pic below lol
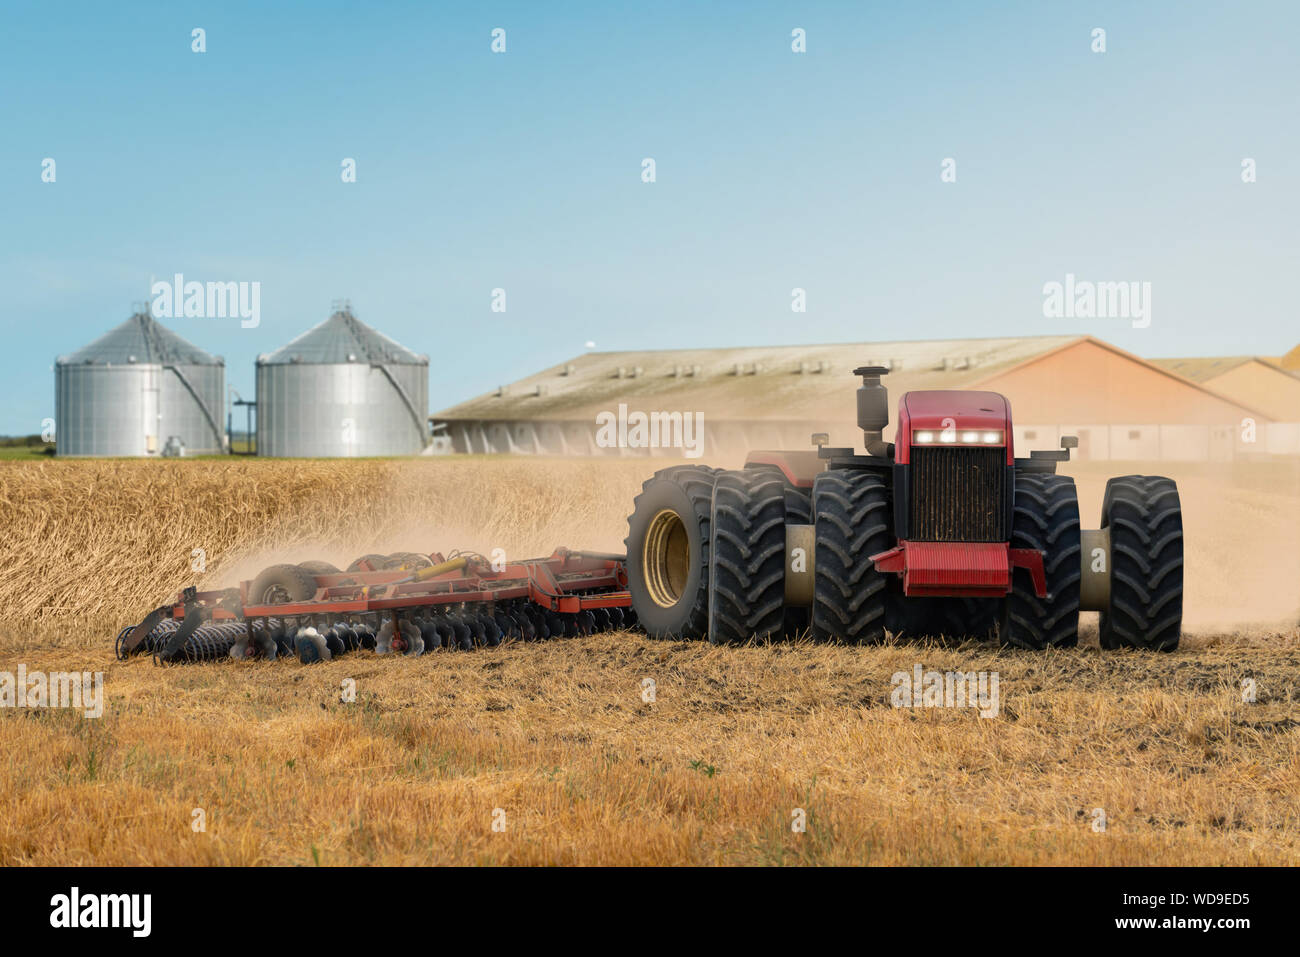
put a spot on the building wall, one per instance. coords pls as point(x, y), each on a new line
point(1260, 386)
point(339, 411)
point(1086, 382)
point(181, 412)
point(1138, 441)
point(107, 410)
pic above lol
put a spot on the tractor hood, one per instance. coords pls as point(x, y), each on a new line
point(952, 417)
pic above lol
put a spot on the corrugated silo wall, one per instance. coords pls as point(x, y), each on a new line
point(181, 414)
point(107, 410)
point(340, 411)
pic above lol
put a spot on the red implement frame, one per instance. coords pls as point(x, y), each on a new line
point(557, 583)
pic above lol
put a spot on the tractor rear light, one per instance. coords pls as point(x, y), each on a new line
point(953, 437)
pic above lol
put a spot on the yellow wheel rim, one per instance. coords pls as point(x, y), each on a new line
point(666, 558)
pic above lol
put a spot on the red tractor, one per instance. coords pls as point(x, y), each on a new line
point(942, 532)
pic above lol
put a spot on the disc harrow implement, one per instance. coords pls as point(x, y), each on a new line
point(407, 604)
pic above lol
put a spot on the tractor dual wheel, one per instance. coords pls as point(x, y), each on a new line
point(1144, 517)
point(798, 511)
point(747, 556)
point(1047, 519)
point(852, 512)
point(668, 552)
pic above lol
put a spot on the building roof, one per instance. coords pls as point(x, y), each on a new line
point(340, 339)
point(789, 382)
point(140, 339)
point(1291, 361)
point(1207, 368)
point(1266, 388)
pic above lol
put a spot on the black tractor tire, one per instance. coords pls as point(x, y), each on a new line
point(798, 511)
point(798, 505)
point(747, 556)
point(280, 584)
point(1145, 518)
point(318, 568)
point(852, 512)
point(668, 552)
point(1046, 518)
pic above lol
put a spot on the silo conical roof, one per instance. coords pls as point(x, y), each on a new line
point(340, 339)
point(141, 339)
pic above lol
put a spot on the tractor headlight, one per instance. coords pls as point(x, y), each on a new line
point(953, 437)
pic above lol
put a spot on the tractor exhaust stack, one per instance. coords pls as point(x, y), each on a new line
point(873, 409)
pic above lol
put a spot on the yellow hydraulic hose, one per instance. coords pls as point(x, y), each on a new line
point(433, 571)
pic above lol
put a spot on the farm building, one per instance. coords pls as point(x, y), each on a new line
point(1259, 383)
point(342, 389)
point(1119, 405)
point(1291, 361)
point(139, 390)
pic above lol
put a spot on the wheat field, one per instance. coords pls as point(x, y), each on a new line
point(547, 753)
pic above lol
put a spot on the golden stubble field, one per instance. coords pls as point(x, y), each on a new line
point(554, 742)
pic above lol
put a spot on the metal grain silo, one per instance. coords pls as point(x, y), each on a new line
point(133, 388)
point(342, 389)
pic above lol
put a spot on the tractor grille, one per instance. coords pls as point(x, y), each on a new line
point(957, 494)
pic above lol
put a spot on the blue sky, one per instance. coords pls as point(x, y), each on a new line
point(775, 170)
